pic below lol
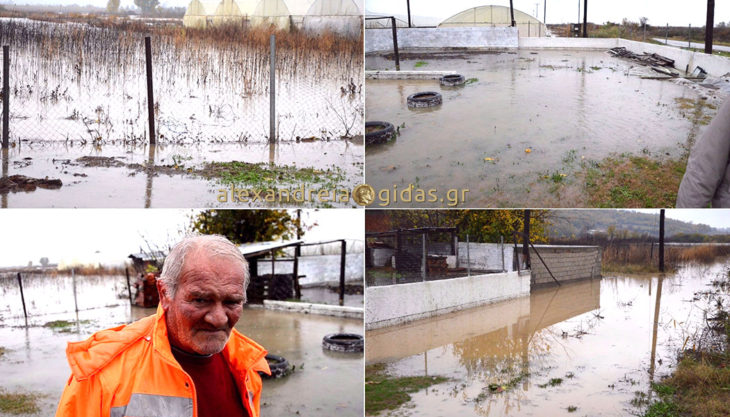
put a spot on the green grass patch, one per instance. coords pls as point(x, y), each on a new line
point(263, 175)
point(471, 80)
point(383, 392)
point(420, 64)
point(18, 403)
point(629, 181)
point(553, 382)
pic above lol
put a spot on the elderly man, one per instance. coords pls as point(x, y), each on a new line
point(186, 360)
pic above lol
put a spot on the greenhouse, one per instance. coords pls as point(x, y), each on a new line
point(497, 16)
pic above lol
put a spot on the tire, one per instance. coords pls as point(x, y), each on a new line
point(378, 132)
point(278, 365)
point(343, 342)
point(424, 99)
point(452, 80)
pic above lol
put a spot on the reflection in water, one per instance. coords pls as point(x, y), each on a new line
point(4, 174)
point(590, 344)
point(150, 170)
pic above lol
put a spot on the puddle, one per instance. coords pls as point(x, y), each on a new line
point(78, 90)
point(527, 125)
point(34, 359)
point(589, 345)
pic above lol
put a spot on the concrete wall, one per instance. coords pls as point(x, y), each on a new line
point(567, 263)
point(457, 37)
point(569, 43)
point(398, 304)
point(714, 65)
point(486, 256)
point(319, 269)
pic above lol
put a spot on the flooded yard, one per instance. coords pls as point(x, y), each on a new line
point(527, 122)
point(79, 92)
point(590, 348)
point(33, 360)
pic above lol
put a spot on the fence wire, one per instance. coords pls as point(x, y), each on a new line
point(74, 83)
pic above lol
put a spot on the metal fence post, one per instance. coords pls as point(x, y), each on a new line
point(423, 257)
point(468, 259)
point(22, 296)
point(272, 90)
point(666, 35)
point(73, 283)
point(343, 259)
point(6, 96)
point(129, 286)
point(689, 36)
point(501, 244)
point(395, 43)
point(150, 95)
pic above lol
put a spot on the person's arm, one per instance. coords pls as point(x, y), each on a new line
point(708, 163)
point(83, 398)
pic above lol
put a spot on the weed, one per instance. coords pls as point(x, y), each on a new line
point(385, 393)
point(420, 64)
point(572, 408)
point(19, 403)
point(471, 80)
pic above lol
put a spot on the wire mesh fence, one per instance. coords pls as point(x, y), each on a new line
point(419, 255)
point(74, 82)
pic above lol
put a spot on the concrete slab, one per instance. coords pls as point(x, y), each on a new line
point(310, 308)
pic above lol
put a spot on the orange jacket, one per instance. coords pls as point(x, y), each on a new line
point(130, 370)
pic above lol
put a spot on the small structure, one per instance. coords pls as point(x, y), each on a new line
point(497, 16)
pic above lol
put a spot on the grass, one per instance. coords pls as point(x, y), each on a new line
point(420, 64)
point(63, 325)
point(262, 175)
point(18, 403)
point(2, 351)
point(383, 392)
point(630, 181)
point(553, 382)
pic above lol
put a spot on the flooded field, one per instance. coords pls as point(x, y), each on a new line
point(527, 122)
point(590, 347)
point(34, 356)
point(79, 91)
point(117, 175)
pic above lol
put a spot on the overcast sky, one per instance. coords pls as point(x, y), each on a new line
point(108, 236)
point(659, 12)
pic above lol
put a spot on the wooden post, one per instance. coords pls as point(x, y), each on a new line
point(343, 258)
point(6, 96)
point(395, 43)
point(150, 95)
point(129, 286)
point(585, 18)
point(709, 26)
point(512, 14)
point(272, 90)
point(661, 240)
point(22, 296)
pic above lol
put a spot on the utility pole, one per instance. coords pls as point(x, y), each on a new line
point(544, 12)
point(585, 18)
point(512, 13)
point(709, 26)
point(408, 4)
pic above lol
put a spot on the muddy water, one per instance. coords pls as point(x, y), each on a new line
point(531, 114)
point(121, 186)
point(606, 339)
point(34, 361)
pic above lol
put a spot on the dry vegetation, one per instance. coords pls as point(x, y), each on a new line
point(644, 257)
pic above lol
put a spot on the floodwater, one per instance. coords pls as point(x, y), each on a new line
point(122, 185)
point(34, 361)
point(605, 339)
point(80, 91)
point(527, 125)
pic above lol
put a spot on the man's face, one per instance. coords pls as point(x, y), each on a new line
point(207, 303)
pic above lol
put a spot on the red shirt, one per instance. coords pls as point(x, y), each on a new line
point(217, 392)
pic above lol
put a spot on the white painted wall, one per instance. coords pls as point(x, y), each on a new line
point(397, 304)
point(486, 256)
point(714, 65)
point(569, 43)
point(320, 269)
point(455, 37)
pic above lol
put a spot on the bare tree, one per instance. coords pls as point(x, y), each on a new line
point(112, 6)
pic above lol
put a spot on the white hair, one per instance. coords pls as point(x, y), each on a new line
point(215, 245)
